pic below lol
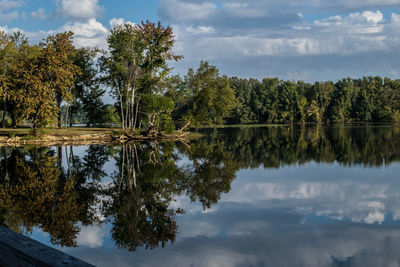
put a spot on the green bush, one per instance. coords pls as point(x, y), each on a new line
point(169, 127)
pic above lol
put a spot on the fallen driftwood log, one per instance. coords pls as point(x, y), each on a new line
point(87, 139)
point(126, 137)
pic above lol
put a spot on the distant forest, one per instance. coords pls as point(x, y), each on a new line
point(370, 99)
point(53, 83)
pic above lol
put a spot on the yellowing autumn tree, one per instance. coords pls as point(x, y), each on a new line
point(41, 81)
point(59, 69)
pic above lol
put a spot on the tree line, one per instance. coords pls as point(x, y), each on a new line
point(53, 82)
point(370, 99)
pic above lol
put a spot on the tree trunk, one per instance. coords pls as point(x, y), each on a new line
point(127, 112)
point(59, 101)
point(3, 121)
point(121, 105)
point(66, 117)
point(128, 115)
point(136, 115)
point(122, 112)
point(71, 115)
point(133, 119)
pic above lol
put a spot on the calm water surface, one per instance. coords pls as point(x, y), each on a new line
point(273, 196)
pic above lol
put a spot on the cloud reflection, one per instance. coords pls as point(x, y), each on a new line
point(295, 216)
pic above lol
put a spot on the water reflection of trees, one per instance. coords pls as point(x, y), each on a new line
point(34, 191)
point(143, 187)
point(278, 146)
point(55, 188)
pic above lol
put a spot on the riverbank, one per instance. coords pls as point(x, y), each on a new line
point(82, 136)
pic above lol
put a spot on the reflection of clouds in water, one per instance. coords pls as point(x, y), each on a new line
point(247, 228)
point(360, 197)
point(286, 217)
point(91, 236)
point(277, 239)
point(197, 228)
point(375, 216)
point(215, 258)
point(188, 206)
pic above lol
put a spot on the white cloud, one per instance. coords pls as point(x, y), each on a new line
point(244, 31)
point(243, 10)
point(39, 14)
point(328, 22)
point(200, 30)
point(119, 21)
point(395, 22)
point(89, 33)
point(86, 33)
point(353, 34)
point(177, 10)
point(80, 9)
point(114, 21)
point(364, 23)
point(6, 5)
point(358, 4)
point(9, 16)
point(6, 29)
point(373, 17)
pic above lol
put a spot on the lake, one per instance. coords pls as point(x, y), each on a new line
point(263, 196)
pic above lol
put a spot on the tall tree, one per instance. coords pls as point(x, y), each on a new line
point(12, 48)
point(33, 95)
point(60, 69)
point(6, 53)
point(137, 61)
point(42, 79)
point(213, 98)
point(86, 83)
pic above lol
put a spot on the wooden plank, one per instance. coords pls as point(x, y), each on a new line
point(19, 250)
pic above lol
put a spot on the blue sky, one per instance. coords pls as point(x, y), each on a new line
point(290, 39)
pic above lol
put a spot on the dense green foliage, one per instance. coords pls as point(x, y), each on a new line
point(136, 65)
point(370, 99)
point(203, 97)
point(38, 79)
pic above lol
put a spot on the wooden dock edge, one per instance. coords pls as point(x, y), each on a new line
point(19, 250)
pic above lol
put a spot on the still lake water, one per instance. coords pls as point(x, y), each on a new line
point(273, 196)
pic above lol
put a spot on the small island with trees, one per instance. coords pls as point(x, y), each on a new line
point(47, 88)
